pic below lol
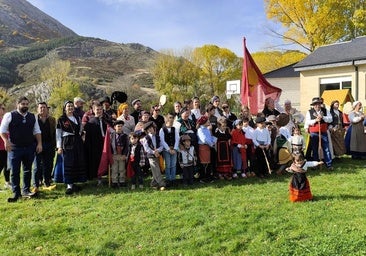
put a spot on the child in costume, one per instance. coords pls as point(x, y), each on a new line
point(299, 184)
point(262, 143)
point(153, 148)
point(187, 159)
point(135, 161)
point(297, 140)
point(238, 142)
point(223, 153)
point(169, 136)
point(205, 142)
point(119, 144)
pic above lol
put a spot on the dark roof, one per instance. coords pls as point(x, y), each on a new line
point(336, 53)
point(287, 71)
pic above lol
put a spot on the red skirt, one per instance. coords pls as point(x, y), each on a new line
point(300, 188)
point(204, 154)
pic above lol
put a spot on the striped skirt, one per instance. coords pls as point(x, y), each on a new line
point(300, 188)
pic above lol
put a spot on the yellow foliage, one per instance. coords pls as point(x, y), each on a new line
point(313, 23)
point(271, 60)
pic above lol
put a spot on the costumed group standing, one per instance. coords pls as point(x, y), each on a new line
point(190, 144)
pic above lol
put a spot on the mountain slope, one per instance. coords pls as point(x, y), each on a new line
point(22, 23)
point(30, 41)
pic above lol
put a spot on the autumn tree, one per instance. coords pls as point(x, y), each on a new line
point(202, 71)
point(56, 73)
point(175, 76)
point(60, 85)
point(217, 65)
point(6, 98)
point(271, 60)
point(60, 94)
point(312, 23)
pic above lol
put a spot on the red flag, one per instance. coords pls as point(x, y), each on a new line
point(107, 157)
point(255, 88)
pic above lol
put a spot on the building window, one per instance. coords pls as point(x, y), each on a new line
point(335, 83)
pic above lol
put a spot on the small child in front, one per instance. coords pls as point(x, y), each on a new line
point(153, 148)
point(299, 184)
point(136, 160)
point(187, 159)
point(297, 140)
point(262, 143)
point(119, 144)
point(205, 142)
point(239, 147)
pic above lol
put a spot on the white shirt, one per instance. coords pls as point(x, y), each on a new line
point(309, 122)
point(261, 137)
point(162, 138)
point(4, 127)
point(249, 132)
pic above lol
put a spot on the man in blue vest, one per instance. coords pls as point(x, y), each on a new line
point(23, 142)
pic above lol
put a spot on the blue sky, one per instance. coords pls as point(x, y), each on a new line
point(167, 24)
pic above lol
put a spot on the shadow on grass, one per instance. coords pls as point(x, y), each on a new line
point(341, 166)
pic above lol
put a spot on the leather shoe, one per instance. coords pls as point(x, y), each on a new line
point(28, 194)
point(13, 199)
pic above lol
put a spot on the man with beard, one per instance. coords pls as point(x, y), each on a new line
point(137, 108)
point(24, 140)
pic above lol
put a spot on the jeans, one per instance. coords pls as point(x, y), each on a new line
point(24, 156)
point(43, 165)
point(325, 145)
point(237, 161)
point(170, 165)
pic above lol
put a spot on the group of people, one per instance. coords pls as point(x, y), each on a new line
point(195, 143)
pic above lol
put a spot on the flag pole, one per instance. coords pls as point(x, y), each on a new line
point(245, 63)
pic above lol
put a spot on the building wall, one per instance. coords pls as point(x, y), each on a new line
point(310, 83)
point(290, 89)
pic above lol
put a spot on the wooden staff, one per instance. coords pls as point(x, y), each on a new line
point(268, 166)
point(109, 176)
point(320, 149)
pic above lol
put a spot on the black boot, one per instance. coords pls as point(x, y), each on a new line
point(13, 199)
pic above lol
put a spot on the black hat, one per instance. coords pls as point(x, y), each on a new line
point(316, 100)
point(260, 119)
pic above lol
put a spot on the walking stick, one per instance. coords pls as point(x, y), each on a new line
point(320, 149)
point(268, 166)
point(109, 176)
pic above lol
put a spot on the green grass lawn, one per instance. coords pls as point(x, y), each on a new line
point(242, 217)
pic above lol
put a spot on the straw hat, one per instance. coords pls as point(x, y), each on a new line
point(284, 156)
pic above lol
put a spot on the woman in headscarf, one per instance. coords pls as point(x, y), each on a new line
point(336, 128)
point(356, 136)
point(70, 146)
